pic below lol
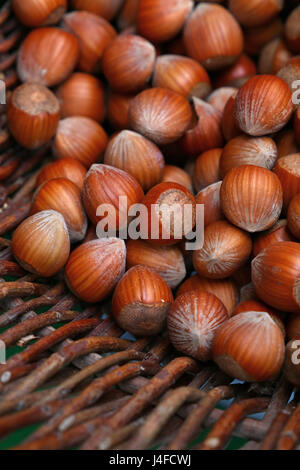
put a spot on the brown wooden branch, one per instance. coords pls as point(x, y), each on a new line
point(91, 394)
point(271, 438)
point(194, 421)
point(290, 434)
point(9, 167)
point(104, 363)
point(16, 373)
point(63, 440)
point(12, 335)
point(6, 254)
point(65, 331)
point(10, 268)
point(49, 298)
point(10, 41)
point(120, 435)
point(152, 390)
point(40, 413)
point(28, 164)
point(21, 289)
point(9, 222)
point(58, 360)
point(7, 61)
point(222, 430)
point(161, 414)
point(5, 11)
point(24, 402)
point(4, 242)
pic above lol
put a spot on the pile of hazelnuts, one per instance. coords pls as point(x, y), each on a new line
point(169, 102)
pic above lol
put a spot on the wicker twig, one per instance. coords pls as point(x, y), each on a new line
point(10, 221)
point(49, 298)
point(92, 393)
point(27, 417)
point(161, 414)
point(40, 413)
point(140, 395)
point(106, 328)
point(105, 408)
point(153, 389)
point(159, 350)
point(7, 61)
point(194, 421)
point(9, 166)
point(12, 335)
point(62, 440)
point(58, 360)
point(28, 164)
point(221, 432)
point(24, 402)
point(120, 435)
point(10, 41)
point(6, 254)
point(104, 363)
point(291, 432)
point(10, 268)
point(4, 242)
point(5, 11)
point(21, 289)
point(269, 442)
point(29, 354)
point(16, 373)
